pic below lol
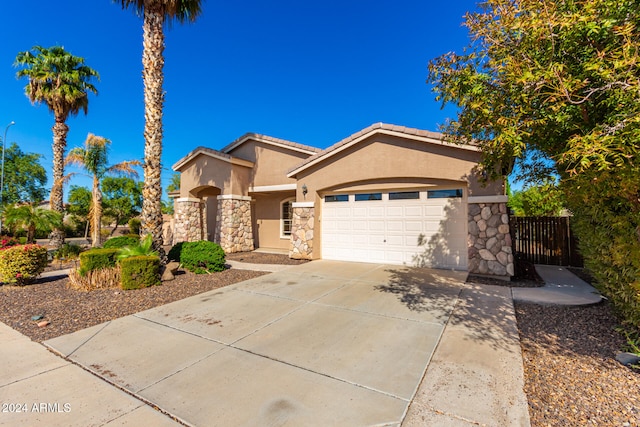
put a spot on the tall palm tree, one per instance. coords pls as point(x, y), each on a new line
point(62, 82)
point(93, 158)
point(156, 13)
point(33, 218)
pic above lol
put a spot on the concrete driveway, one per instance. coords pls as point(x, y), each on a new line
point(324, 343)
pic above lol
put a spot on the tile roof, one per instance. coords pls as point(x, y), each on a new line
point(268, 140)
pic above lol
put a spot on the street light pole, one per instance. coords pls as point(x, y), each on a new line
point(2, 172)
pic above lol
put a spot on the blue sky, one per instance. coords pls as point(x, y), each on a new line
point(308, 72)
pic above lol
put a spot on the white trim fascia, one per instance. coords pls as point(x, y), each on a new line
point(303, 204)
point(234, 197)
point(386, 132)
point(187, 199)
point(267, 188)
point(232, 160)
point(488, 199)
point(266, 141)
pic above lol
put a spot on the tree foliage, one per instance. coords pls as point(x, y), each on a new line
point(63, 82)
point(93, 158)
point(555, 87)
point(24, 177)
point(32, 218)
point(537, 200)
point(122, 199)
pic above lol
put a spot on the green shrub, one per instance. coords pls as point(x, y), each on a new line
point(68, 251)
point(139, 272)
point(22, 264)
point(175, 251)
point(134, 226)
point(202, 257)
point(95, 259)
point(121, 242)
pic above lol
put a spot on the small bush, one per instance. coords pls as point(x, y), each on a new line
point(134, 226)
point(8, 241)
point(22, 264)
point(68, 251)
point(121, 242)
point(139, 272)
point(96, 259)
point(202, 257)
point(175, 251)
point(104, 278)
point(143, 248)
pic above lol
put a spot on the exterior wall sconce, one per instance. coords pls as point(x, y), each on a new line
point(305, 190)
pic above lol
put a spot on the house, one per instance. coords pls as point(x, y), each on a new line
point(387, 194)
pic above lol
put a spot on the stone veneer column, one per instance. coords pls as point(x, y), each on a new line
point(188, 219)
point(490, 244)
point(233, 224)
point(301, 246)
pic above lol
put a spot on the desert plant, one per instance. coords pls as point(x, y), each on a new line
point(104, 278)
point(202, 257)
point(140, 271)
point(143, 248)
point(22, 264)
point(121, 241)
point(96, 259)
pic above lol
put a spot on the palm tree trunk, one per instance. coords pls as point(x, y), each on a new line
point(60, 130)
point(96, 217)
point(153, 76)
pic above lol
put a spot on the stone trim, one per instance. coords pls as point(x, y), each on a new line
point(189, 222)
point(302, 232)
point(489, 240)
point(488, 199)
point(233, 197)
point(233, 224)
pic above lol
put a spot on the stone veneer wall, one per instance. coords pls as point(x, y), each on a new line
point(188, 220)
point(490, 245)
point(301, 246)
point(233, 224)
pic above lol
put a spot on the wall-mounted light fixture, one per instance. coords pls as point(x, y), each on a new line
point(305, 190)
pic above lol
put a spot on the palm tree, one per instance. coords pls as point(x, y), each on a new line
point(32, 218)
point(156, 13)
point(93, 158)
point(62, 82)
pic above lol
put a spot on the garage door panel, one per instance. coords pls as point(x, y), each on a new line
point(388, 231)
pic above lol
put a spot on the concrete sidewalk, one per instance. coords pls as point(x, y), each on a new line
point(561, 287)
point(322, 343)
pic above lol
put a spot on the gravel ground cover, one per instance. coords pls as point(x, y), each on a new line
point(571, 375)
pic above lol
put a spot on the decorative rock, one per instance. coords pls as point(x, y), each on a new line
point(474, 209)
point(503, 228)
point(496, 268)
point(486, 255)
point(43, 324)
point(486, 213)
point(37, 317)
point(628, 358)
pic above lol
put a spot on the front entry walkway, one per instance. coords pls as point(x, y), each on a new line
point(322, 343)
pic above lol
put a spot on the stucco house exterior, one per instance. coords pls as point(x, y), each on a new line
point(387, 194)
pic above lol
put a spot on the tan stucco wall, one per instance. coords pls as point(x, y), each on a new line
point(205, 171)
point(266, 220)
point(385, 161)
point(271, 162)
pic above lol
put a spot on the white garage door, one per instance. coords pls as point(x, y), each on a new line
point(420, 228)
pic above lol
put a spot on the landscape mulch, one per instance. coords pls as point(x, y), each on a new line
point(571, 375)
